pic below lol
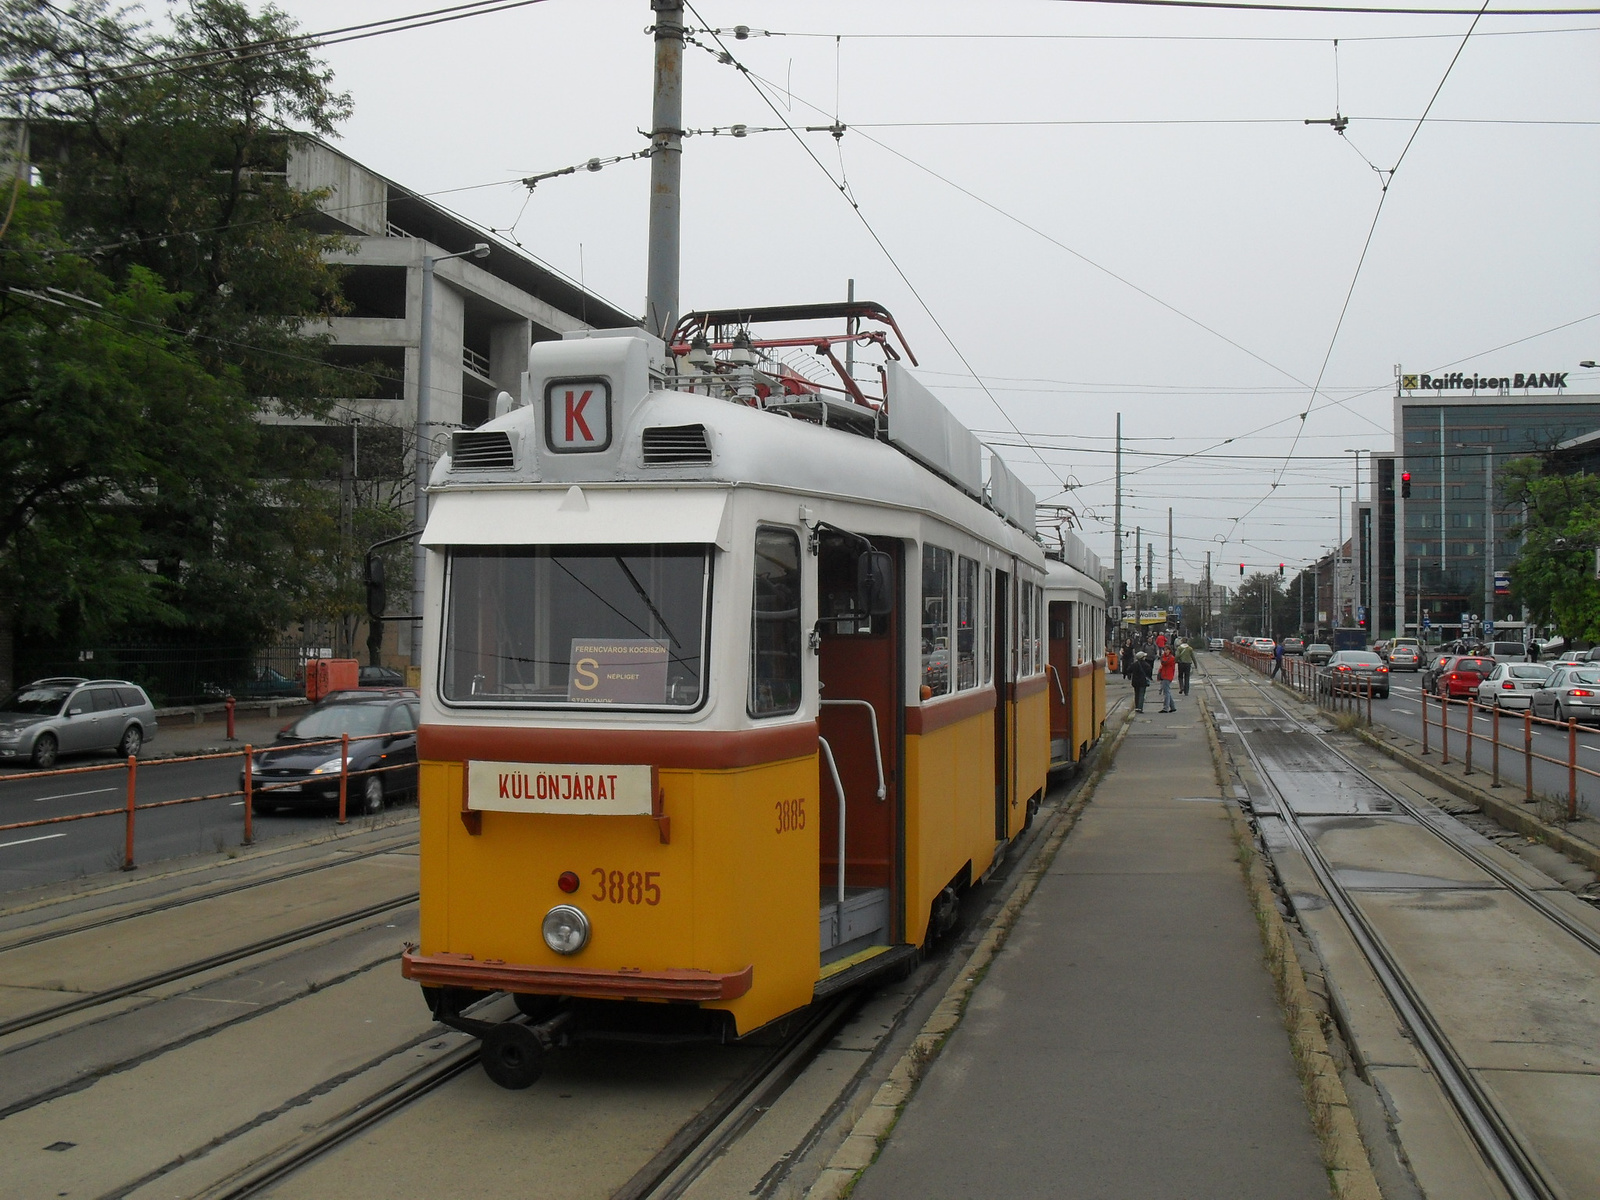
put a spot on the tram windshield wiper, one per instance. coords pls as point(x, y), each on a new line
point(648, 603)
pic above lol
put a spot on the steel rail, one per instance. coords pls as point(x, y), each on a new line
point(95, 999)
point(184, 901)
point(702, 1141)
point(1500, 1148)
point(1441, 826)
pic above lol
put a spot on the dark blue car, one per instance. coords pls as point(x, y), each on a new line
point(383, 754)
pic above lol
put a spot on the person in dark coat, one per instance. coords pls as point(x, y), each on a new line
point(1139, 676)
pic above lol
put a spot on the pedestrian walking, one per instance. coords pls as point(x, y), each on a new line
point(1185, 656)
point(1168, 672)
point(1139, 676)
point(1277, 658)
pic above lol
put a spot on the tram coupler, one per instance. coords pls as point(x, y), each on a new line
point(513, 1053)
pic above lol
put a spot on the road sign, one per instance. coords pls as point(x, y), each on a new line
point(1427, 621)
point(1502, 581)
point(1177, 612)
point(1361, 614)
point(1488, 629)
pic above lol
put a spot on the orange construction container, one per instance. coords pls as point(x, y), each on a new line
point(324, 675)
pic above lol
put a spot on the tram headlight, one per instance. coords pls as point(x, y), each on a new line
point(566, 929)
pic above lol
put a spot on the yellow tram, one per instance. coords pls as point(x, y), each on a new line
point(733, 680)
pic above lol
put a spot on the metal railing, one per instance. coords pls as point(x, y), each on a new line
point(1468, 729)
point(250, 791)
point(1325, 688)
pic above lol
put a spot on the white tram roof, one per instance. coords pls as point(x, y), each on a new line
point(515, 479)
point(1063, 577)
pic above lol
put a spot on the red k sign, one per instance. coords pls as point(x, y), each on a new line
point(577, 415)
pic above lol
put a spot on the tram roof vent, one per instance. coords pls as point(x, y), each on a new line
point(676, 446)
point(482, 450)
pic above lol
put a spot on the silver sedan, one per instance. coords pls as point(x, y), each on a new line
point(1511, 685)
point(1570, 692)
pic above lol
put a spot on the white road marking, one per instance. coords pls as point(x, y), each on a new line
point(236, 804)
point(1408, 712)
point(70, 795)
point(25, 841)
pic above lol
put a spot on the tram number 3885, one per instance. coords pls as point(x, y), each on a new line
point(791, 815)
point(626, 887)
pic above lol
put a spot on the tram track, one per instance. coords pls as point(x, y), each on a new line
point(1520, 1170)
point(201, 965)
point(184, 901)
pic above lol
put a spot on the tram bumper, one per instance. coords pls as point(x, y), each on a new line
point(495, 975)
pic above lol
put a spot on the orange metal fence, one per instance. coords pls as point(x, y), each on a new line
point(250, 791)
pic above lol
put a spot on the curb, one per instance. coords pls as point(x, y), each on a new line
point(872, 1128)
point(1507, 813)
point(1344, 1154)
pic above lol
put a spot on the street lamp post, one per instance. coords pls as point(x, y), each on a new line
point(1338, 557)
point(424, 433)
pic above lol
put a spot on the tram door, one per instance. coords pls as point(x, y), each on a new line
point(1061, 682)
point(860, 660)
point(1002, 709)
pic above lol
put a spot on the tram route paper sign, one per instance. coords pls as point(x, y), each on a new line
point(617, 671)
point(579, 789)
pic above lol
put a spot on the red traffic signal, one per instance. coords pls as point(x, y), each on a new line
point(1405, 484)
point(1280, 570)
point(1241, 568)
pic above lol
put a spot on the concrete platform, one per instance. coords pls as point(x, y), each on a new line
point(1126, 1041)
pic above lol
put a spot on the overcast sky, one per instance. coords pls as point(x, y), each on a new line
point(1106, 208)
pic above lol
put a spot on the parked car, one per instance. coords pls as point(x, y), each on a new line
point(1294, 645)
point(1405, 658)
point(1351, 670)
point(1457, 676)
point(1571, 693)
point(1571, 658)
point(1318, 652)
point(68, 715)
point(383, 754)
point(270, 683)
point(1512, 684)
point(380, 677)
point(1215, 644)
point(1381, 649)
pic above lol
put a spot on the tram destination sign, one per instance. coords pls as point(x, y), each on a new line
point(575, 789)
point(617, 671)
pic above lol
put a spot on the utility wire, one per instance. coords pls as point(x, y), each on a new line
point(1134, 37)
point(232, 55)
point(728, 59)
point(1361, 261)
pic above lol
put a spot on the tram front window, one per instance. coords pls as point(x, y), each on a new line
point(619, 626)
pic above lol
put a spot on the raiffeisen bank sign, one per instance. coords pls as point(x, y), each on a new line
point(1482, 383)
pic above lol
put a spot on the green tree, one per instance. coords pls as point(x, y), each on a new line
point(164, 197)
point(1260, 607)
point(1554, 572)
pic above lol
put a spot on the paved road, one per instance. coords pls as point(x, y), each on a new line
point(1402, 712)
point(52, 853)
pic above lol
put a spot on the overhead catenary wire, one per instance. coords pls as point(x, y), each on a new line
point(727, 58)
point(149, 68)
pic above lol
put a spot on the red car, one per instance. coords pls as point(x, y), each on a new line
point(1459, 677)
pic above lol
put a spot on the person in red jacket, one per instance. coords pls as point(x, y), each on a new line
point(1168, 672)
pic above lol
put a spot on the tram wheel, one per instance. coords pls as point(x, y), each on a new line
point(536, 1008)
point(512, 1056)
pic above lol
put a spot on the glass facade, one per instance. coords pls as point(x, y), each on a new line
point(1454, 452)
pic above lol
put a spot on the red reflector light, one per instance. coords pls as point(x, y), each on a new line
point(568, 882)
point(1579, 692)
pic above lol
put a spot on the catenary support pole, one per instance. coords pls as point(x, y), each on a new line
point(1116, 531)
point(666, 169)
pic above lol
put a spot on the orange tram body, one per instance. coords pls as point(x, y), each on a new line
point(732, 682)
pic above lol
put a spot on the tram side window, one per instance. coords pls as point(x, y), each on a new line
point(986, 633)
point(967, 624)
point(1025, 632)
point(775, 625)
point(1038, 630)
point(936, 571)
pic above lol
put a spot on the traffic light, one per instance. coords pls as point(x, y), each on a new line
point(1241, 568)
point(377, 593)
point(1405, 485)
point(1280, 570)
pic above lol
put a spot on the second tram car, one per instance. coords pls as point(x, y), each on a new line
point(732, 681)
